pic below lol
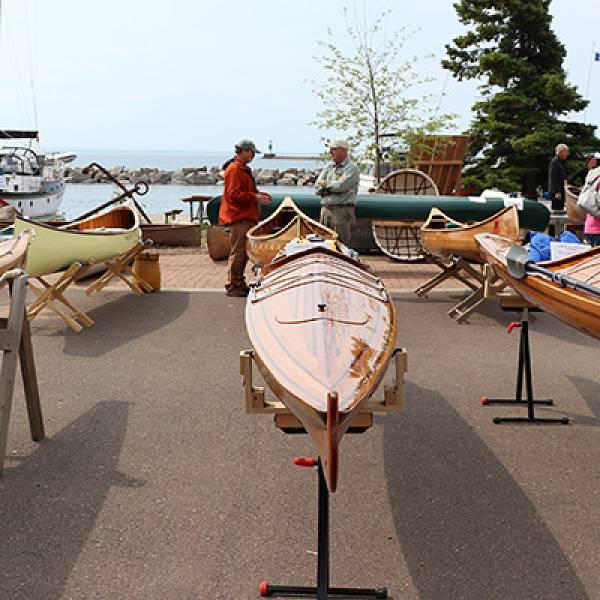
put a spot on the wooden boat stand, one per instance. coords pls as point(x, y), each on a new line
point(490, 286)
point(52, 293)
point(288, 423)
point(458, 268)
point(15, 344)
point(523, 370)
point(120, 266)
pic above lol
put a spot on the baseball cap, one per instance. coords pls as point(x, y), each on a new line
point(338, 144)
point(246, 144)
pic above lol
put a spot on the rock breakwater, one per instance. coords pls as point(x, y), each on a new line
point(192, 176)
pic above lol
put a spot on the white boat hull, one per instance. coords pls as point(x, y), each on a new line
point(35, 205)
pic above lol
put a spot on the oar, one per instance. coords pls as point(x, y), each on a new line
point(519, 264)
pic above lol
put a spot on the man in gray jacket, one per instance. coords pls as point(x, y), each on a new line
point(337, 185)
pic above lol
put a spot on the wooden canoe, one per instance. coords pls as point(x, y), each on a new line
point(574, 213)
point(576, 307)
point(443, 236)
point(323, 330)
point(13, 251)
point(270, 236)
point(172, 234)
point(91, 240)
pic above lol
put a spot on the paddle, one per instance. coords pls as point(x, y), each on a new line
point(518, 264)
point(139, 188)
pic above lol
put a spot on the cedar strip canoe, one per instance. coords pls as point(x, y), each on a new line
point(574, 213)
point(459, 239)
point(87, 241)
point(576, 307)
point(323, 331)
point(270, 236)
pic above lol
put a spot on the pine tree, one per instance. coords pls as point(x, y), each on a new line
point(525, 96)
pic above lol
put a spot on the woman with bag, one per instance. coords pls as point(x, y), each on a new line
point(588, 201)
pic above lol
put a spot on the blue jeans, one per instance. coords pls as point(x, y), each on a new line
point(593, 238)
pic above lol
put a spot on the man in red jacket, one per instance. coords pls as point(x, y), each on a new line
point(239, 211)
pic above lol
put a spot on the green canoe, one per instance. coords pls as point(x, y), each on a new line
point(390, 207)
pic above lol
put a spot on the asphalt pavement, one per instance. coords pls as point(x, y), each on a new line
point(153, 483)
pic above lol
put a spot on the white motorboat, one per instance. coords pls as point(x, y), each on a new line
point(30, 180)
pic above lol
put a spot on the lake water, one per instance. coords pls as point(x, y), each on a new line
point(80, 198)
point(170, 161)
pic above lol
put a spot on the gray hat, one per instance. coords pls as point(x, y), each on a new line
point(246, 144)
point(338, 144)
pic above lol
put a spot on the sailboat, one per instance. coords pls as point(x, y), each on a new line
point(31, 181)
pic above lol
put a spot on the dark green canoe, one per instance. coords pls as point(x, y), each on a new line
point(390, 207)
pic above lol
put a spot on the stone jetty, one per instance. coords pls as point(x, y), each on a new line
point(192, 176)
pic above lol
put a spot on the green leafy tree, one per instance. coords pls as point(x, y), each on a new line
point(366, 93)
point(521, 115)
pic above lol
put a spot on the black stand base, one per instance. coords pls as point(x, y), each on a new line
point(322, 591)
point(524, 371)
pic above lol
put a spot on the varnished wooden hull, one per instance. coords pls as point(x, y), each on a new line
point(174, 234)
point(269, 237)
point(576, 308)
point(321, 324)
point(459, 240)
point(13, 252)
point(574, 213)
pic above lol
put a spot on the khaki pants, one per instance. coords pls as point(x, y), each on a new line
point(341, 219)
point(237, 256)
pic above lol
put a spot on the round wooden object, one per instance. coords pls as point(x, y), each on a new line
point(146, 266)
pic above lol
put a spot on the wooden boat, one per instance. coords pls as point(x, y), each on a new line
point(91, 240)
point(172, 234)
point(568, 288)
point(444, 237)
point(323, 330)
point(574, 213)
point(13, 251)
point(270, 236)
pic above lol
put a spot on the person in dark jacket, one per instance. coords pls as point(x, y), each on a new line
point(557, 174)
point(591, 162)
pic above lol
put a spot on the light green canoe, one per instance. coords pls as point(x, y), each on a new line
point(92, 240)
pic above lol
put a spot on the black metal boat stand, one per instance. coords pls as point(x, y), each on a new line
point(287, 422)
point(524, 371)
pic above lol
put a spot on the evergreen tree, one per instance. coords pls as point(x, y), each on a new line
point(511, 47)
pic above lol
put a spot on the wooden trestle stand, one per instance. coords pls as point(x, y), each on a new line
point(484, 284)
point(516, 303)
point(256, 403)
point(51, 295)
point(15, 345)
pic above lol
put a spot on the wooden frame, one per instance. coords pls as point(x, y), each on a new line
point(15, 344)
point(257, 404)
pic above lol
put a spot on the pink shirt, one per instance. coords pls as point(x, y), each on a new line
point(592, 224)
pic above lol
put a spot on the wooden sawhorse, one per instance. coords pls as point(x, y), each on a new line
point(120, 266)
point(51, 294)
point(458, 268)
point(288, 423)
point(490, 286)
point(15, 344)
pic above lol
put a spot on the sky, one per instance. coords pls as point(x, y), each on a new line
point(198, 75)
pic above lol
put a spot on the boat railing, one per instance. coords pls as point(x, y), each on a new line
point(300, 281)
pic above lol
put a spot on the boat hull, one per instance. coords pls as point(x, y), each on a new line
point(460, 239)
point(35, 205)
point(395, 207)
point(321, 324)
point(269, 237)
point(176, 234)
point(576, 308)
point(55, 248)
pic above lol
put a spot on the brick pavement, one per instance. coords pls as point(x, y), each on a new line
point(183, 268)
